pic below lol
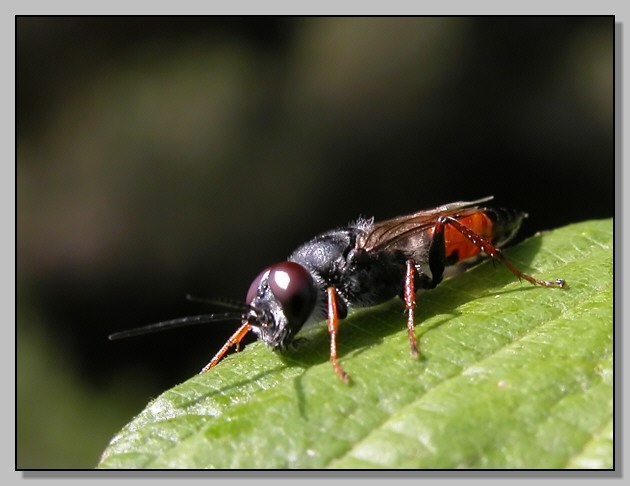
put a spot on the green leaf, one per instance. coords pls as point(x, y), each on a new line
point(510, 376)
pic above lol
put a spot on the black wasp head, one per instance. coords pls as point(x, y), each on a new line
point(281, 299)
point(279, 302)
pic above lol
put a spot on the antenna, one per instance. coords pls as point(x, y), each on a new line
point(180, 322)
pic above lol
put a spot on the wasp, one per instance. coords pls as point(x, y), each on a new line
point(361, 265)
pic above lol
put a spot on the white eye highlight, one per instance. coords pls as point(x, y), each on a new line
point(282, 279)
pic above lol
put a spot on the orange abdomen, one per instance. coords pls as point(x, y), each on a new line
point(456, 242)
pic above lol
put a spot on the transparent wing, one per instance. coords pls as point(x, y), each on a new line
point(398, 230)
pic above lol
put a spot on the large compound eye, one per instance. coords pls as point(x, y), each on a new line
point(253, 288)
point(293, 286)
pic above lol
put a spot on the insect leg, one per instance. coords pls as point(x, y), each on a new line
point(234, 340)
point(333, 321)
point(489, 249)
point(437, 259)
point(410, 304)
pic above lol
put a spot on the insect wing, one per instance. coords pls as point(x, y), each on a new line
point(403, 229)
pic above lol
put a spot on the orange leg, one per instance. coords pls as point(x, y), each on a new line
point(333, 321)
point(234, 340)
point(410, 305)
point(437, 256)
point(492, 251)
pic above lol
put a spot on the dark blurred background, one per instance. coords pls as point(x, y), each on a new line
point(160, 156)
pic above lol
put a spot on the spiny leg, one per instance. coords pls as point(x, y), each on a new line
point(410, 304)
point(489, 249)
point(234, 340)
point(437, 264)
point(333, 324)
